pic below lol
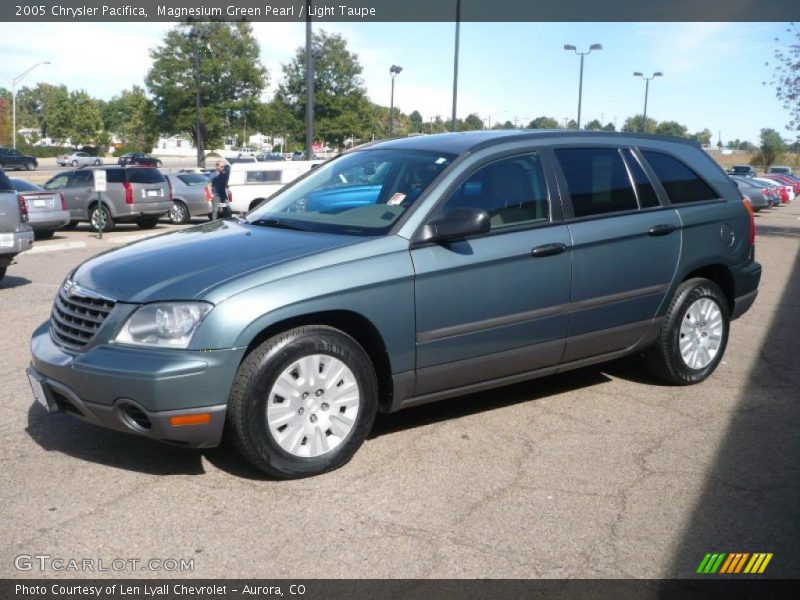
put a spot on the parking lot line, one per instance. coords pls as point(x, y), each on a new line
point(53, 248)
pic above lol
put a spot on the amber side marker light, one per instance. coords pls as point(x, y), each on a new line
point(182, 420)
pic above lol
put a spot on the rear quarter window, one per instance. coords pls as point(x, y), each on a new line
point(263, 177)
point(146, 176)
point(115, 175)
point(193, 179)
point(681, 183)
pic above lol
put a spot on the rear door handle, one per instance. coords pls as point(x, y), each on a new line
point(663, 229)
point(548, 250)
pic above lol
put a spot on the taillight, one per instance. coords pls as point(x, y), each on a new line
point(230, 196)
point(128, 193)
point(23, 208)
point(749, 208)
point(63, 201)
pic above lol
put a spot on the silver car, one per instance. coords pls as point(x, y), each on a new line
point(15, 234)
point(47, 210)
point(79, 159)
point(188, 197)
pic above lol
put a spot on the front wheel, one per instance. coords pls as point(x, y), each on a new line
point(303, 402)
point(30, 166)
point(98, 162)
point(179, 215)
point(694, 334)
point(158, 164)
point(75, 163)
point(96, 214)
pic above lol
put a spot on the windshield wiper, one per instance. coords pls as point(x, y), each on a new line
point(278, 224)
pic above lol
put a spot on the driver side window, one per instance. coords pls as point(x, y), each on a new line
point(511, 190)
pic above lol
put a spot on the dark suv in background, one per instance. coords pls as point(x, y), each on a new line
point(138, 195)
point(11, 158)
point(139, 159)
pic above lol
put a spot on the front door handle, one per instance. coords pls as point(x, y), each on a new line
point(548, 250)
point(663, 229)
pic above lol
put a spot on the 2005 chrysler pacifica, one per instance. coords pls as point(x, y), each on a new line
point(401, 273)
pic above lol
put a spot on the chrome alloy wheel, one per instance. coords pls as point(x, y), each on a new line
point(701, 333)
point(99, 218)
point(178, 213)
point(313, 405)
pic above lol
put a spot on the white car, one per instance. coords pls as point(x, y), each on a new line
point(250, 184)
point(78, 159)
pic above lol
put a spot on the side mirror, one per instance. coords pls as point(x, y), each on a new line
point(456, 225)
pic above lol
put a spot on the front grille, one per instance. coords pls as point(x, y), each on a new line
point(76, 317)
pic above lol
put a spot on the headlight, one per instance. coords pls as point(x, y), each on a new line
point(166, 324)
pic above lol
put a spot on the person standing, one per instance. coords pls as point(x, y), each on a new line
point(219, 189)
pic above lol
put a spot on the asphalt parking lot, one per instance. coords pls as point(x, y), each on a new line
point(601, 472)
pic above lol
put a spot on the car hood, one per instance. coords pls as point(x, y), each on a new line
point(183, 264)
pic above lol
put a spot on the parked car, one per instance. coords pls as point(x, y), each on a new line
point(521, 254)
point(758, 196)
point(269, 157)
point(245, 152)
point(232, 160)
point(780, 170)
point(47, 210)
point(252, 183)
point(15, 234)
point(138, 195)
point(772, 192)
point(139, 159)
point(743, 171)
point(788, 180)
point(780, 189)
point(188, 197)
point(302, 156)
point(78, 159)
point(11, 158)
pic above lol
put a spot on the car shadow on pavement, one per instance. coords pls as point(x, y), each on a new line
point(73, 437)
point(11, 281)
point(749, 502)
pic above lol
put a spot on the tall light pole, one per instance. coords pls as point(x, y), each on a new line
point(647, 81)
point(580, 80)
point(494, 115)
point(309, 86)
point(455, 65)
point(394, 71)
point(14, 81)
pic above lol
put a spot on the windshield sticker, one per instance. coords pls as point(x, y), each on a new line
point(396, 199)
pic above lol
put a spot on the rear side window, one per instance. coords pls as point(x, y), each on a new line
point(597, 180)
point(681, 183)
point(81, 178)
point(263, 177)
point(115, 175)
point(145, 176)
point(193, 179)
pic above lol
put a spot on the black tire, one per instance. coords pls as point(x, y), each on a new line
point(70, 225)
point(30, 166)
point(158, 164)
point(148, 223)
point(247, 406)
point(98, 162)
point(2, 272)
point(181, 208)
point(110, 223)
point(44, 234)
point(664, 358)
point(75, 164)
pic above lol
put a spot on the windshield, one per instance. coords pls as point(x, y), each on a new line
point(361, 193)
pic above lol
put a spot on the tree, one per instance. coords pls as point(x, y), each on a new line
point(472, 123)
point(594, 125)
point(786, 77)
point(341, 106)
point(416, 121)
point(672, 128)
point(5, 120)
point(609, 127)
point(771, 149)
point(634, 124)
point(86, 118)
point(57, 112)
point(702, 137)
point(543, 123)
point(131, 115)
point(231, 77)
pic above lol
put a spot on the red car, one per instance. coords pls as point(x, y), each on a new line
point(786, 180)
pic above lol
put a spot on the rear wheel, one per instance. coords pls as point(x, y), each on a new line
point(74, 163)
point(96, 213)
point(98, 162)
point(44, 234)
point(158, 164)
point(30, 166)
point(694, 335)
point(148, 223)
point(303, 402)
point(179, 214)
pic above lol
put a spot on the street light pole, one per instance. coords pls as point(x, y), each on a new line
point(14, 81)
point(580, 79)
point(455, 64)
point(309, 86)
point(394, 70)
point(647, 81)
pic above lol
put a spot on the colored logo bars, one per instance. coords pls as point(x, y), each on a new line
point(734, 563)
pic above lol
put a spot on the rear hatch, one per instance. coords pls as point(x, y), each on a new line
point(42, 201)
point(148, 185)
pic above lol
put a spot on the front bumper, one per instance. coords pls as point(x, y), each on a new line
point(138, 390)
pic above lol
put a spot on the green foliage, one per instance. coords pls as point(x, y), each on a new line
point(771, 149)
point(609, 127)
point(230, 79)
point(786, 77)
point(702, 137)
point(635, 123)
point(86, 118)
point(543, 123)
point(672, 128)
point(131, 115)
point(594, 125)
point(472, 123)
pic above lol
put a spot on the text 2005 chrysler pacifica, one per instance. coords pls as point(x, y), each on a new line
point(401, 273)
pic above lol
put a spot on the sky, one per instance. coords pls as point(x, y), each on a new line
point(713, 72)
